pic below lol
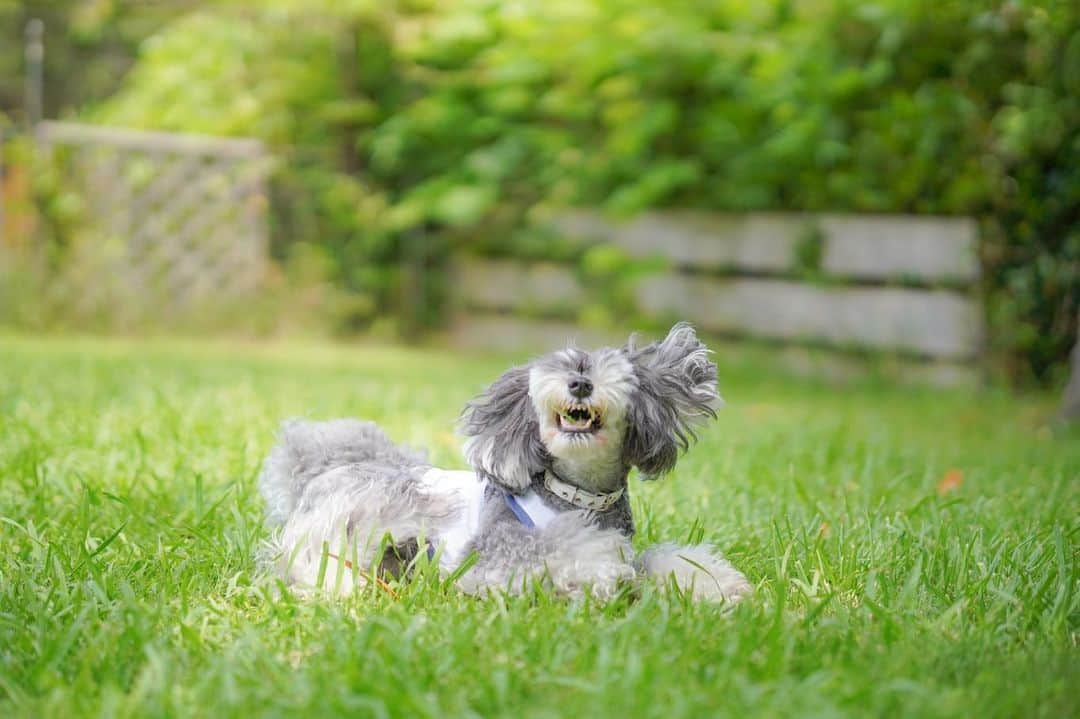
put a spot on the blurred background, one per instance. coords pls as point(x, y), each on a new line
point(894, 182)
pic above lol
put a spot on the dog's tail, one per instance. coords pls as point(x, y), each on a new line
point(306, 449)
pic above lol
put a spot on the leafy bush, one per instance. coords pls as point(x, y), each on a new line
point(88, 47)
point(411, 129)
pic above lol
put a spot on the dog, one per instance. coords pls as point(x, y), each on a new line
point(551, 444)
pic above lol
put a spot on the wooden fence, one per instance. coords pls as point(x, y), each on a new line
point(184, 214)
point(902, 287)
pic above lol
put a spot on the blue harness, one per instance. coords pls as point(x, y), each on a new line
point(518, 510)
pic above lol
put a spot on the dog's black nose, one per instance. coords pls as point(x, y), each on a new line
point(580, 387)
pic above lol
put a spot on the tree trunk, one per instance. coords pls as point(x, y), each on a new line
point(1070, 408)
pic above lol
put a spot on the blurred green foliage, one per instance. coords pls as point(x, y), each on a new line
point(412, 128)
point(89, 44)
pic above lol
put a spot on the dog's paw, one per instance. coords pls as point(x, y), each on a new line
point(580, 557)
point(603, 580)
point(698, 570)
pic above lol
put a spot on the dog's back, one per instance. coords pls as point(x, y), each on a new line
point(306, 450)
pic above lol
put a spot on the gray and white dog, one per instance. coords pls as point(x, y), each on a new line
point(551, 444)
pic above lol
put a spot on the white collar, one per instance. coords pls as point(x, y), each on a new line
point(578, 496)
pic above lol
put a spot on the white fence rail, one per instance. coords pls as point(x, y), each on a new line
point(899, 285)
point(857, 247)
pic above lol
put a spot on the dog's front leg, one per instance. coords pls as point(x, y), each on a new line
point(697, 569)
point(570, 555)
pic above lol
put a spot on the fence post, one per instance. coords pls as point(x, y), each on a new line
point(35, 60)
point(413, 295)
point(1070, 406)
point(2, 181)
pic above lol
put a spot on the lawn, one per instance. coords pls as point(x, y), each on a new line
point(914, 551)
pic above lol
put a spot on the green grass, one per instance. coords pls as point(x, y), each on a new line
point(130, 519)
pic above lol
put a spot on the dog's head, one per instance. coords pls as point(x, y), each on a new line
point(624, 407)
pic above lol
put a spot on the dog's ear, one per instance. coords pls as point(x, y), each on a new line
point(676, 391)
point(503, 443)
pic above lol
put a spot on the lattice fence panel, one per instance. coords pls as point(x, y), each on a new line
point(186, 213)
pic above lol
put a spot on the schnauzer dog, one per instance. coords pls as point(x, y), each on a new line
point(551, 444)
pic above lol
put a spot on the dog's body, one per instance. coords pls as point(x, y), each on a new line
point(551, 445)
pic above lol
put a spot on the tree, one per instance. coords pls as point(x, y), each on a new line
point(1070, 408)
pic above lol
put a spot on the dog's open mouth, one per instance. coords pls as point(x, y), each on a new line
point(578, 419)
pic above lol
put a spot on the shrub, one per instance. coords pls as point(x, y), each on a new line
point(410, 129)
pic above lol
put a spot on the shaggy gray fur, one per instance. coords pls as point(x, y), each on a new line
point(618, 516)
point(505, 447)
point(344, 485)
point(570, 555)
point(676, 390)
point(294, 476)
